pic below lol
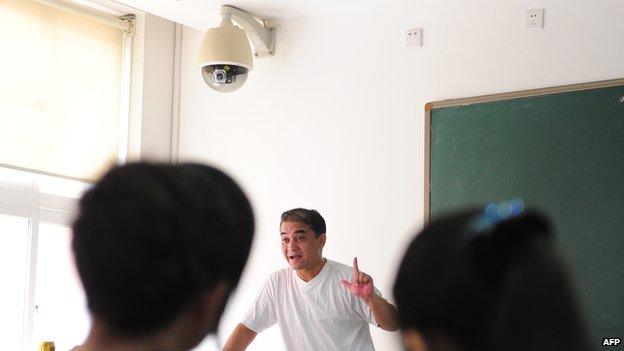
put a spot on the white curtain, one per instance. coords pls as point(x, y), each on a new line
point(60, 86)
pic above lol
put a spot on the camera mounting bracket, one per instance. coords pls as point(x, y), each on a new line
point(261, 36)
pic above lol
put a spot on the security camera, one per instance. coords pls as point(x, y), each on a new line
point(225, 55)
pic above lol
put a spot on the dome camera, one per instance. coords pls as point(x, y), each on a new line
point(225, 55)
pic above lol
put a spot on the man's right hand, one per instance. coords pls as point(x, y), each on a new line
point(241, 338)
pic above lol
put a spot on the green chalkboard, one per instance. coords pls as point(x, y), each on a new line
point(562, 151)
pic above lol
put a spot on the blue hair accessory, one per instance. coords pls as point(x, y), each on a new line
point(495, 213)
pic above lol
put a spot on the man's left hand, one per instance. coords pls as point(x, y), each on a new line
point(361, 284)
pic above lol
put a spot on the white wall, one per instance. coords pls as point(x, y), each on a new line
point(335, 120)
point(151, 125)
point(158, 66)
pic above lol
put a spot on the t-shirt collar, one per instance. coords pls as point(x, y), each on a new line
point(310, 283)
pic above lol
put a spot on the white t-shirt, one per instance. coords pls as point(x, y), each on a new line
point(318, 315)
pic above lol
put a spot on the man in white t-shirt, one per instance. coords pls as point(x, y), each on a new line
point(319, 304)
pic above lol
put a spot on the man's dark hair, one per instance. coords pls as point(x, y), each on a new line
point(500, 288)
point(150, 238)
point(309, 217)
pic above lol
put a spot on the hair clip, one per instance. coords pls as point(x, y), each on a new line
point(495, 213)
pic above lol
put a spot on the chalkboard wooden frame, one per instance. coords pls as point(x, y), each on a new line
point(430, 106)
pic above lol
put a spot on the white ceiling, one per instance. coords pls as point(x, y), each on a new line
point(204, 14)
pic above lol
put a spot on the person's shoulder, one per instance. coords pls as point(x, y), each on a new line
point(340, 269)
point(280, 276)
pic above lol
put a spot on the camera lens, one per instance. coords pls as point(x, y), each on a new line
point(224, 78)
point(220, 76)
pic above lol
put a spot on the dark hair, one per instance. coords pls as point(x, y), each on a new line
point(150, 238)
point(499, 288)
point(309, 217)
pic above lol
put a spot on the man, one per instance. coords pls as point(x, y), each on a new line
point(159, 248)
point(319, 304)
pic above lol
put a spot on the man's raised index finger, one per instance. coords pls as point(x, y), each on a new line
point(355, 265)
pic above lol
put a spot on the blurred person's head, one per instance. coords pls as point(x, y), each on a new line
point(159, 248)
point(485, 280)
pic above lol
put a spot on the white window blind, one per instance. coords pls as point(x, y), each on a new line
point(60, 90)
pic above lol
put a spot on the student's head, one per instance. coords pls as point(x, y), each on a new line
point(482, 281)
point(302, 233)
point(155, 244)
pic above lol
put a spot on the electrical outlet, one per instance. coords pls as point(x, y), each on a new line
point(414, 37)
point(535, 19)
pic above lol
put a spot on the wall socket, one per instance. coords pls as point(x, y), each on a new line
point(414, 37)
point(535, 19)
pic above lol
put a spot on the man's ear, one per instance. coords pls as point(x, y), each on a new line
point(322, 239)
point(414, 340)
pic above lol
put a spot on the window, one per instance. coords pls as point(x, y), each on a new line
point(36, 261)
point(61, 314)
point(13, 270)
point(64, 109)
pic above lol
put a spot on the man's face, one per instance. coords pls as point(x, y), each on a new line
point(300, 246)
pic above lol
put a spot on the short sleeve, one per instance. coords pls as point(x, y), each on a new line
point(261, 314)
point(365, 312)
